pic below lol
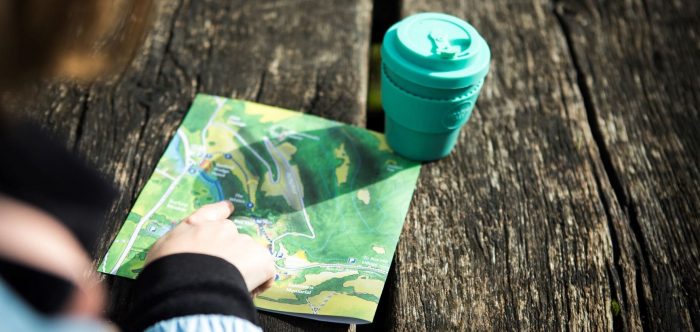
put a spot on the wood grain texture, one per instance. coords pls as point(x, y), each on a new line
point(298, 54)
point(573, 189)
point(511, 231)
point(639, 65)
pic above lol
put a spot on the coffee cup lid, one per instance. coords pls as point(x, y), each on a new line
point(436, 50)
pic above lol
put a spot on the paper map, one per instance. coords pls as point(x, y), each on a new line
point(327, 199)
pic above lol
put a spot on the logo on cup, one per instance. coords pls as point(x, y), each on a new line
point(455, 118)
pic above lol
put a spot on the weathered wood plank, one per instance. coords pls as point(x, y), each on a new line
point(639, 69)
point(511, 230)
point(304, 55)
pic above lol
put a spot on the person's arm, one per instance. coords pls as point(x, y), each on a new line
point(200, 276)
point(185, 289)
point(205, 323)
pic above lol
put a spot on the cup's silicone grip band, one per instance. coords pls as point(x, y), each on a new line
point(426, 114)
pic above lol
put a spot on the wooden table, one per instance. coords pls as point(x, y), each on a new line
point(570, 202)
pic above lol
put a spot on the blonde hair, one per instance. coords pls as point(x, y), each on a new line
point(76, 39)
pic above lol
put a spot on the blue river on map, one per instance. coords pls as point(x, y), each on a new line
point(213, 184)
point(173, 153)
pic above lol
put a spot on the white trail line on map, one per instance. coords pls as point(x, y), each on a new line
point(336, 266)
point(295, 186)
point(273, 151)
point(255, 153)
point(165, 174)
point(314, 308)
point(292, 180)
point(220, 103)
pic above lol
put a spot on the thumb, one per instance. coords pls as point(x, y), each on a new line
point(214, 211)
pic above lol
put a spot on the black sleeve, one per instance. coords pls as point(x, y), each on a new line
point(188, 284)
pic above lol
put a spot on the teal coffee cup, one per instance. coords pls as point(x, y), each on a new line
point(433, 67)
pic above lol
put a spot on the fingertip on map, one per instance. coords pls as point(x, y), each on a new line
point(230, 206)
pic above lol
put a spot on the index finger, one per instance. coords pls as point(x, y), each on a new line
point(210, 212)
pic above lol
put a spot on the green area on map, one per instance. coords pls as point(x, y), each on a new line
point(328, 200)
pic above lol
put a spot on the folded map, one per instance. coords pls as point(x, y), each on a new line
point(327, 199)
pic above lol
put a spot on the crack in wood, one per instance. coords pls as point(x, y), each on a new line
point(81, 120)
point(611, 176)
point(615, 275)
point(261, 86)
point(317, 93)
point(169, 40)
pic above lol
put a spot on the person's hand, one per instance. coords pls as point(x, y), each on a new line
point(207, 231)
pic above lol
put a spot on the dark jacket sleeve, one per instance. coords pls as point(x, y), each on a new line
point(188, 284)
